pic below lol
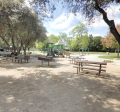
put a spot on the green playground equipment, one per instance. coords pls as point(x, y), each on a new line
point(54, 49)
point(59, 46)
point(50, 47)
point(86, 48)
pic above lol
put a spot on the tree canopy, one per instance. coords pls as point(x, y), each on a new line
point(20, 27)
point(89, 8)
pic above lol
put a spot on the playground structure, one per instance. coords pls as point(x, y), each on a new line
point(84, 49)
point(53, 49)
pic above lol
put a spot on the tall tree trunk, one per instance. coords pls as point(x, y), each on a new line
point(24, 51)
point(12, 37)
point(7, 44)
point(110, 23)
point(118, 51)
point(20, 47)
point(17, 45)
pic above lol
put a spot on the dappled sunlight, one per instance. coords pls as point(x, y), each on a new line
point(33, 87)
point(112, 103)
point(10, 99)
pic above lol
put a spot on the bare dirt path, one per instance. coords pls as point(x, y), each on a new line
point(30, 87)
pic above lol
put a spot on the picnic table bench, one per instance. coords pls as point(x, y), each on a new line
point(49, 58)
point(91, 66)
point(72, 59)
point(19, 58)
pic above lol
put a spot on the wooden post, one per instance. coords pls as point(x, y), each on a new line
point(48, 62)
point(79, 66)
point(100, 70)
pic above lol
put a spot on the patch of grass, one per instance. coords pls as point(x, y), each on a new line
point(90, 52)
point(110, 56)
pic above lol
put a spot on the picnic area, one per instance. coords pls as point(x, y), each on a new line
point(33, 87)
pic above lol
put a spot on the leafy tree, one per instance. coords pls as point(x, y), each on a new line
point(34, 30)
point(19, 27)
point(69, 43)
point(43, 44)
point(54, 38)
point(63, 37)
point(97, 43)
point(73, 44)
point(80, 35)
point(89, 8)
point(109, 41)
point(91, 43)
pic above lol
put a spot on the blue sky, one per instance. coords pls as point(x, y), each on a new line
point(64, 22)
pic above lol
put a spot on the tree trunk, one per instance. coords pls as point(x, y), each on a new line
point(118, 51)
point(12, 37)
point(24, 51)
point(20, 48)
point(7, 44)
point(110, 23)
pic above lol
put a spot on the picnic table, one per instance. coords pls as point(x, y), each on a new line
point(48, 58)
point(20, 58)
point(91, 65)
point(74, 58)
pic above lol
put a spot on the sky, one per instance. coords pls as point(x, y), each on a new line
point(64, 22)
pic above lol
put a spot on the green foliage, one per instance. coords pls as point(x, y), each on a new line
point(69, 43)
point(109, 41)
point(97, 43)
point(19, 27)
point(63, 37)
point(54, 38)
point(73, 44)
point(80, 36)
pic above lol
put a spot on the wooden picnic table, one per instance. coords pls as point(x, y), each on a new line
point(90, 63)
point(20, 58)
point(74, 58)
point(48, 58)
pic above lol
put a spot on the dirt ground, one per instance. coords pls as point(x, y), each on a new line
point(31, 87)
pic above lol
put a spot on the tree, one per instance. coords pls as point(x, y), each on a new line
point(109, 41)
point(34, 30)
point(19, 27)
point(91, 43)
point(63, 37)
point(97, 43)
point(73, 44)
point(80, 35)
point(89, 8)
point(54, 38)
point(69, 43)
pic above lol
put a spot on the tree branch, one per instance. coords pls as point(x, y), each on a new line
point(109, 22)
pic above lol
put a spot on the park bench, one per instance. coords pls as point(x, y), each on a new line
point(72, 59)
point(49, 58)
point(91, 66)
point(20, 57)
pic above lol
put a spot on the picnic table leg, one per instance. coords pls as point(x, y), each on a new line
point(21, 60)
point(48, 62)
point(99, 70)
point(77, 70)
point(12, 59)
point(79, 66)
point(42, 62)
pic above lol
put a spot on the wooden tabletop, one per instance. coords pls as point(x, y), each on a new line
point(91, 62)
point(77, 58)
